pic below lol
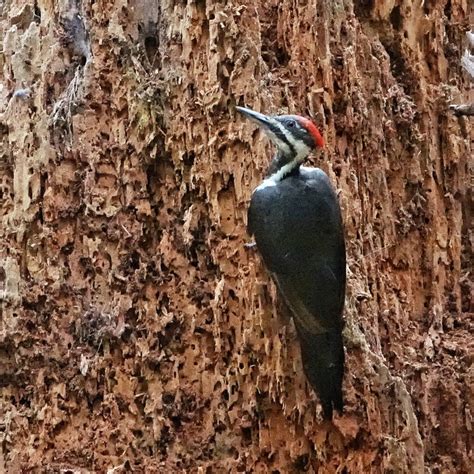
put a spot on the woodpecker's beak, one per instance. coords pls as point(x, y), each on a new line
point(256, 117)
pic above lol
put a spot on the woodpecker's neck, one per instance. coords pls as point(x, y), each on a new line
point(286, 164)
point(280, 167)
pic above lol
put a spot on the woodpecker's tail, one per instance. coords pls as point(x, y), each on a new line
point(323, 362)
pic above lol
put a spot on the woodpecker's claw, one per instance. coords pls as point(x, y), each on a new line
point(250, 245)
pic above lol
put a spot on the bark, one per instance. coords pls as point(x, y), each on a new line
point(136, 330)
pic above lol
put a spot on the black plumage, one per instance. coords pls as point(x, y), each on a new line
point(296, 221)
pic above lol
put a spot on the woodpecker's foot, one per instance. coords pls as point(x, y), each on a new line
point(250, 245)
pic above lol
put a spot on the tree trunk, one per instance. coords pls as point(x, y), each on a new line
point(136, 331)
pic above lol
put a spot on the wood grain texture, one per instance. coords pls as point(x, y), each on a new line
point(136, 331)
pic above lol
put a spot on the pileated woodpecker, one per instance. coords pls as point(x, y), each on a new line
point(296, 221)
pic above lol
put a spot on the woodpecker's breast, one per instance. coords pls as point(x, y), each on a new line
point(306, 198)
point(295, 218)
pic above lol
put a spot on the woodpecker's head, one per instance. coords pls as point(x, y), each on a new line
point(294, 136)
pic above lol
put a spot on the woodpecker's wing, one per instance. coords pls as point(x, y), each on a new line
point(298, 230)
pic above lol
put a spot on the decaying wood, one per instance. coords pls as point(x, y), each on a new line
point(136, 330)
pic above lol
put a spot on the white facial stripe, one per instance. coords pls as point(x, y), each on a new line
point(302, 150)
point(285, 132)
point(279, 143)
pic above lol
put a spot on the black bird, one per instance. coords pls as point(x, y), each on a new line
point(295, 218)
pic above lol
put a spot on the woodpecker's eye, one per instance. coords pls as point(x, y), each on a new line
point(291, 123)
